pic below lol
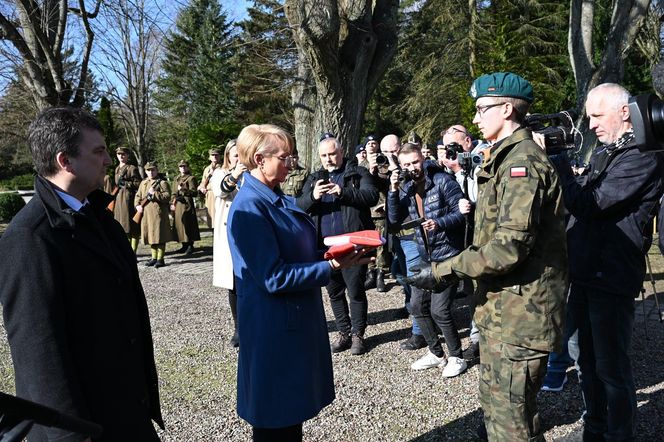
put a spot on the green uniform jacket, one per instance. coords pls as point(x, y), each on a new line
point(155, 224)
point(519, 255)
point(124, 201)
point(185, 220)
point(294, 182)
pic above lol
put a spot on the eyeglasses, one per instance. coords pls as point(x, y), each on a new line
point(289, 161)
point(481, 110)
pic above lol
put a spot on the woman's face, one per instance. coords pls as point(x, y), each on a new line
point(232, 157)
point(275, 166)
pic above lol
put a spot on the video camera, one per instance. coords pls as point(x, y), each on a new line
point(467, 160)
point(558, 130)
point(647, 116)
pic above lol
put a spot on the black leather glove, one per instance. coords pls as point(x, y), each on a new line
point(423, 278)
point(121, 182)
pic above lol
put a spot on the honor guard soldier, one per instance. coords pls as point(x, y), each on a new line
point(151, 203)
point(205, 188)
point(295, 179)
point(184, 210)
point(127, 180)
point(518, 259)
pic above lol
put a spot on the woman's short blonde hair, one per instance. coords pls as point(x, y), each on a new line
point(261, 138)
point(227, 153)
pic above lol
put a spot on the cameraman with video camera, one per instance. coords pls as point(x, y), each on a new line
point(423, 190)
point(608, 235)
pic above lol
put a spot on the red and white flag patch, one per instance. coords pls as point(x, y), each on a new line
point(520, 171)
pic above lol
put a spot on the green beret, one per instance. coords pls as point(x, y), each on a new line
point(150, 165)
point(502, 84)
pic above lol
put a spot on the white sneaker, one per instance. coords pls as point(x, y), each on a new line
point(455, 366)
point(429, 360)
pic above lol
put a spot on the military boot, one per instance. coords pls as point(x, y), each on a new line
point(183, 248)
point(151, 262)
point(380, 281)
point(370, 281)
point(190, 250)
point(159, 263)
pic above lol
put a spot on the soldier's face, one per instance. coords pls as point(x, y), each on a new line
point(607, 122)
point(490, 117)
point(214, 158)
point(184, 170)
point(413, 163)
point(152, 173)
point(122, 157)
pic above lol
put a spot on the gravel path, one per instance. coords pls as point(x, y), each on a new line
point(379, 398)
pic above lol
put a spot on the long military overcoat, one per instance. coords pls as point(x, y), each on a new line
point(127, 179)
point(184, 218)
point(155, 224)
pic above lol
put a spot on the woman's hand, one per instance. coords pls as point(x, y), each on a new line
point(355, 258)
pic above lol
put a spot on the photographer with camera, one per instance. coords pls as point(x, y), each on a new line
point(423, 190)
point(518, 259)
point(456, 141)
point(339, 198)
point(608, 235)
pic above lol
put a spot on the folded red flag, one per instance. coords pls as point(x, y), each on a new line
point(348, 242)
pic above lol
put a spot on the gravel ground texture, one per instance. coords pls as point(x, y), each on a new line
point(379, 398)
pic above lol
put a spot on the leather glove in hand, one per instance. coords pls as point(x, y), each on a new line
point(423, 278)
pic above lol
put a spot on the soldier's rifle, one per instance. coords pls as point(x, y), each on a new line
point(138, 216)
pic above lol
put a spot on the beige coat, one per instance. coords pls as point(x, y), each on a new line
point(185, 220)
point(155, 225)
point(125, 208)
point(209, 196)
point(222, 267)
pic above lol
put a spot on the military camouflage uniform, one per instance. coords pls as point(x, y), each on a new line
point(294, 182)
point(519, 260)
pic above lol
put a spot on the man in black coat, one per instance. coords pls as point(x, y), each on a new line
point(339, 198)
point(608, 235)
point(74, 308)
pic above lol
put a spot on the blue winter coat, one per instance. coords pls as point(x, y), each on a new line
point(285, 364)
point(441, 203)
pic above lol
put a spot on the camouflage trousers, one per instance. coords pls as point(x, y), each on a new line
point(510, 378)
point(383, 254)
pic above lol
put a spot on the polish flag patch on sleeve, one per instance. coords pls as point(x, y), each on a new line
point(520, 171)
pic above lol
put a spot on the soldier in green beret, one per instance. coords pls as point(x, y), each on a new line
point(518, 259)
point(184, 210)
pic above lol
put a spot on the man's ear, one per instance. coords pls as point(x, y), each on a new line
point(624, 112)
point(62, 160)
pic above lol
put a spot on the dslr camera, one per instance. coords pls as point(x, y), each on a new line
point(558, 130)
point(467, 160)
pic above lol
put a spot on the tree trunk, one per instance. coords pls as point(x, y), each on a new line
point(347, 46)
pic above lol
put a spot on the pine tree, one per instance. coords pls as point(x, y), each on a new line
point(266, 65)
point(197, 80)
point(105, 117)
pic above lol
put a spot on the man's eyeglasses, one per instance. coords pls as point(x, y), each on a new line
point(481, 110)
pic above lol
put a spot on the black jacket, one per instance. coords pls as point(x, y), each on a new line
point(358, 195)
point(441, 203)
point(77, 319)
point(610, 227)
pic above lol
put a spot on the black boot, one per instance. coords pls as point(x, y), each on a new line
point(190, 249)
point(380, 281)
point(370, 282)
point(232, 301)
point(151, 262)
point(183, 248)
point(159, 263)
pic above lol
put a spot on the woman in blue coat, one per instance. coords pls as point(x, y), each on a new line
point(285, 366)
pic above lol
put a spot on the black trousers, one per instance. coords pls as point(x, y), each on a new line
point(284, 434)
point(351, 279)
point(428, 308)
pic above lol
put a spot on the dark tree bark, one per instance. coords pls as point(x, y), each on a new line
point(344, 48)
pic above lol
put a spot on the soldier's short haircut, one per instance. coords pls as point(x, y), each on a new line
point(409, 148)
point(55, 130)
point(520, 107)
